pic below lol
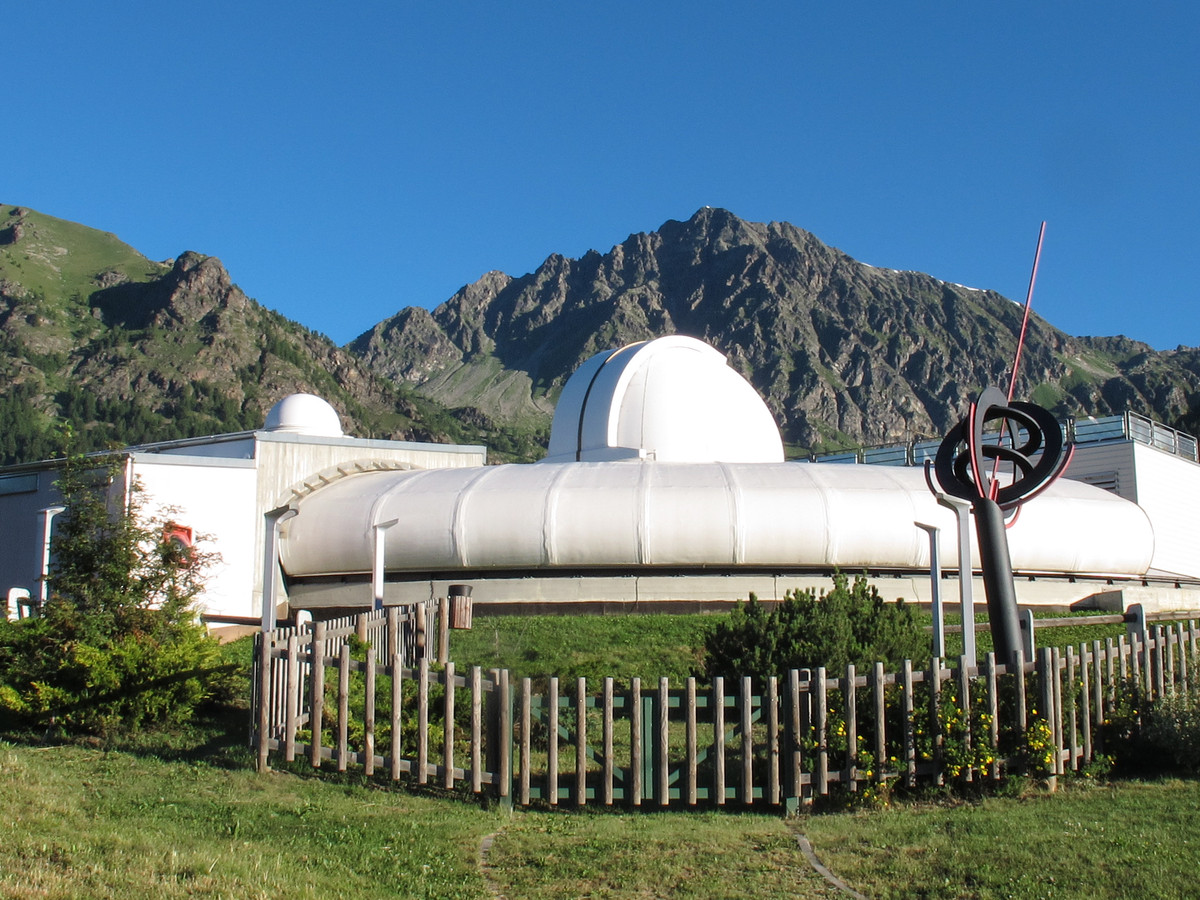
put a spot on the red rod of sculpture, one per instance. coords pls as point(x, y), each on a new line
point(1012, 381)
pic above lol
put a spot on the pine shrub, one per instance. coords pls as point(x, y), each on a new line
point(851, 623)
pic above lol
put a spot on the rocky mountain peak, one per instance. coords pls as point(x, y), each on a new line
point(843, 352)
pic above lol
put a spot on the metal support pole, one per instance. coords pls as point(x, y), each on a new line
point(18, 603)
point(966, 590)
point(46, 516)
point(998, 579)
point(380, 530)
point(271, 521)
point(935, 583)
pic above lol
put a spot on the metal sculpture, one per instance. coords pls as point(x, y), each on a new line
point(1028, 444)
point(961, 466)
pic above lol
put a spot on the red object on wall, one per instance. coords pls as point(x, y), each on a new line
point(181, 536)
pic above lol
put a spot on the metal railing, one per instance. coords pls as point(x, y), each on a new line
point(1130, 426)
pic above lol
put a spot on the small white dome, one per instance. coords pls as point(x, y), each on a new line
point(304, 414)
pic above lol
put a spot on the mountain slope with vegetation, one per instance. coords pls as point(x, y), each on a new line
point(844, 353)
point(98, 340)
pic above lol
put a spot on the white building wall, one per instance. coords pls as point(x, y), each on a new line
point(221, 488)
point(1168, 488)
point(216, 499)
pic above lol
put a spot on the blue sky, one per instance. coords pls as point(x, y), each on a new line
point(347, 160)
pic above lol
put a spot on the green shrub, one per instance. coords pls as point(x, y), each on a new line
point(849, 624)
point(1172, 730)
point(118, 643)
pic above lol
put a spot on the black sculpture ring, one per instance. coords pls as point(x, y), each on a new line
point(965, 461)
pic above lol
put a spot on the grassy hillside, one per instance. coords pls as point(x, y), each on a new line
point(97, 340)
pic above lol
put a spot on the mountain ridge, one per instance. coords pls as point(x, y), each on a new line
point(125, 349)
point(843, 352)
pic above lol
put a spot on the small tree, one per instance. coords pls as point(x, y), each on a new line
point(849, 624)
point(118, 643)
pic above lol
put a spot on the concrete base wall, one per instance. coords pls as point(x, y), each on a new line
point(696, 593)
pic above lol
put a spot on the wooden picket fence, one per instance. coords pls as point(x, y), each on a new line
point(381, 704)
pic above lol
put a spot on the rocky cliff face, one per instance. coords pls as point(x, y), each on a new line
point(844, 353)
point(194, 324)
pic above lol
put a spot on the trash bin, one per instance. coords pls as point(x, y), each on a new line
point(460, 606)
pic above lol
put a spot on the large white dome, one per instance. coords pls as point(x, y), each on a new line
point(673, 399)
point(304, 414)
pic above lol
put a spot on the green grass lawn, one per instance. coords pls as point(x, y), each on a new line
point(653, 645)
point(184, 815)
point(82, 822)
point(624, 646)
point(1128, 839)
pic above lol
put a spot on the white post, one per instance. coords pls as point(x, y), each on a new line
point(935, 582)
point(966, 594)
point(272, 520)
point(47, 518)
point(380, 529)
point(15, 597)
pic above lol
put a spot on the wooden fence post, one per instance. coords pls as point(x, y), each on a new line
point(506, 739)
point(423, 721)
point(608, 766)
point(1046, 702)
point(850, 702)
point(397, 748)
point(343, 700)
point(636, 740)
point(526, 719)
point(772, 700)
point(448, 726)
point(795, 739)
point(993, 706)
point(663, 742)
point(1183, 659)
point(822, 717)
point(718, 702)
point(910, 745)
point(1085, 700)
point(692, 741)
point(317, 692)
point(291, 698)
point(476, 729)
point(552, 738)
point(443, 629)
point(581, 741)
point(747, 751)
point(878, 694)
point(369, 715)
point(1056, 720)
point(1018, 666)
point(421, 635)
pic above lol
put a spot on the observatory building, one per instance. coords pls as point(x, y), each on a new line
point(665, 483)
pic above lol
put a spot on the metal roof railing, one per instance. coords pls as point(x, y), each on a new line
point(1129, 426)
